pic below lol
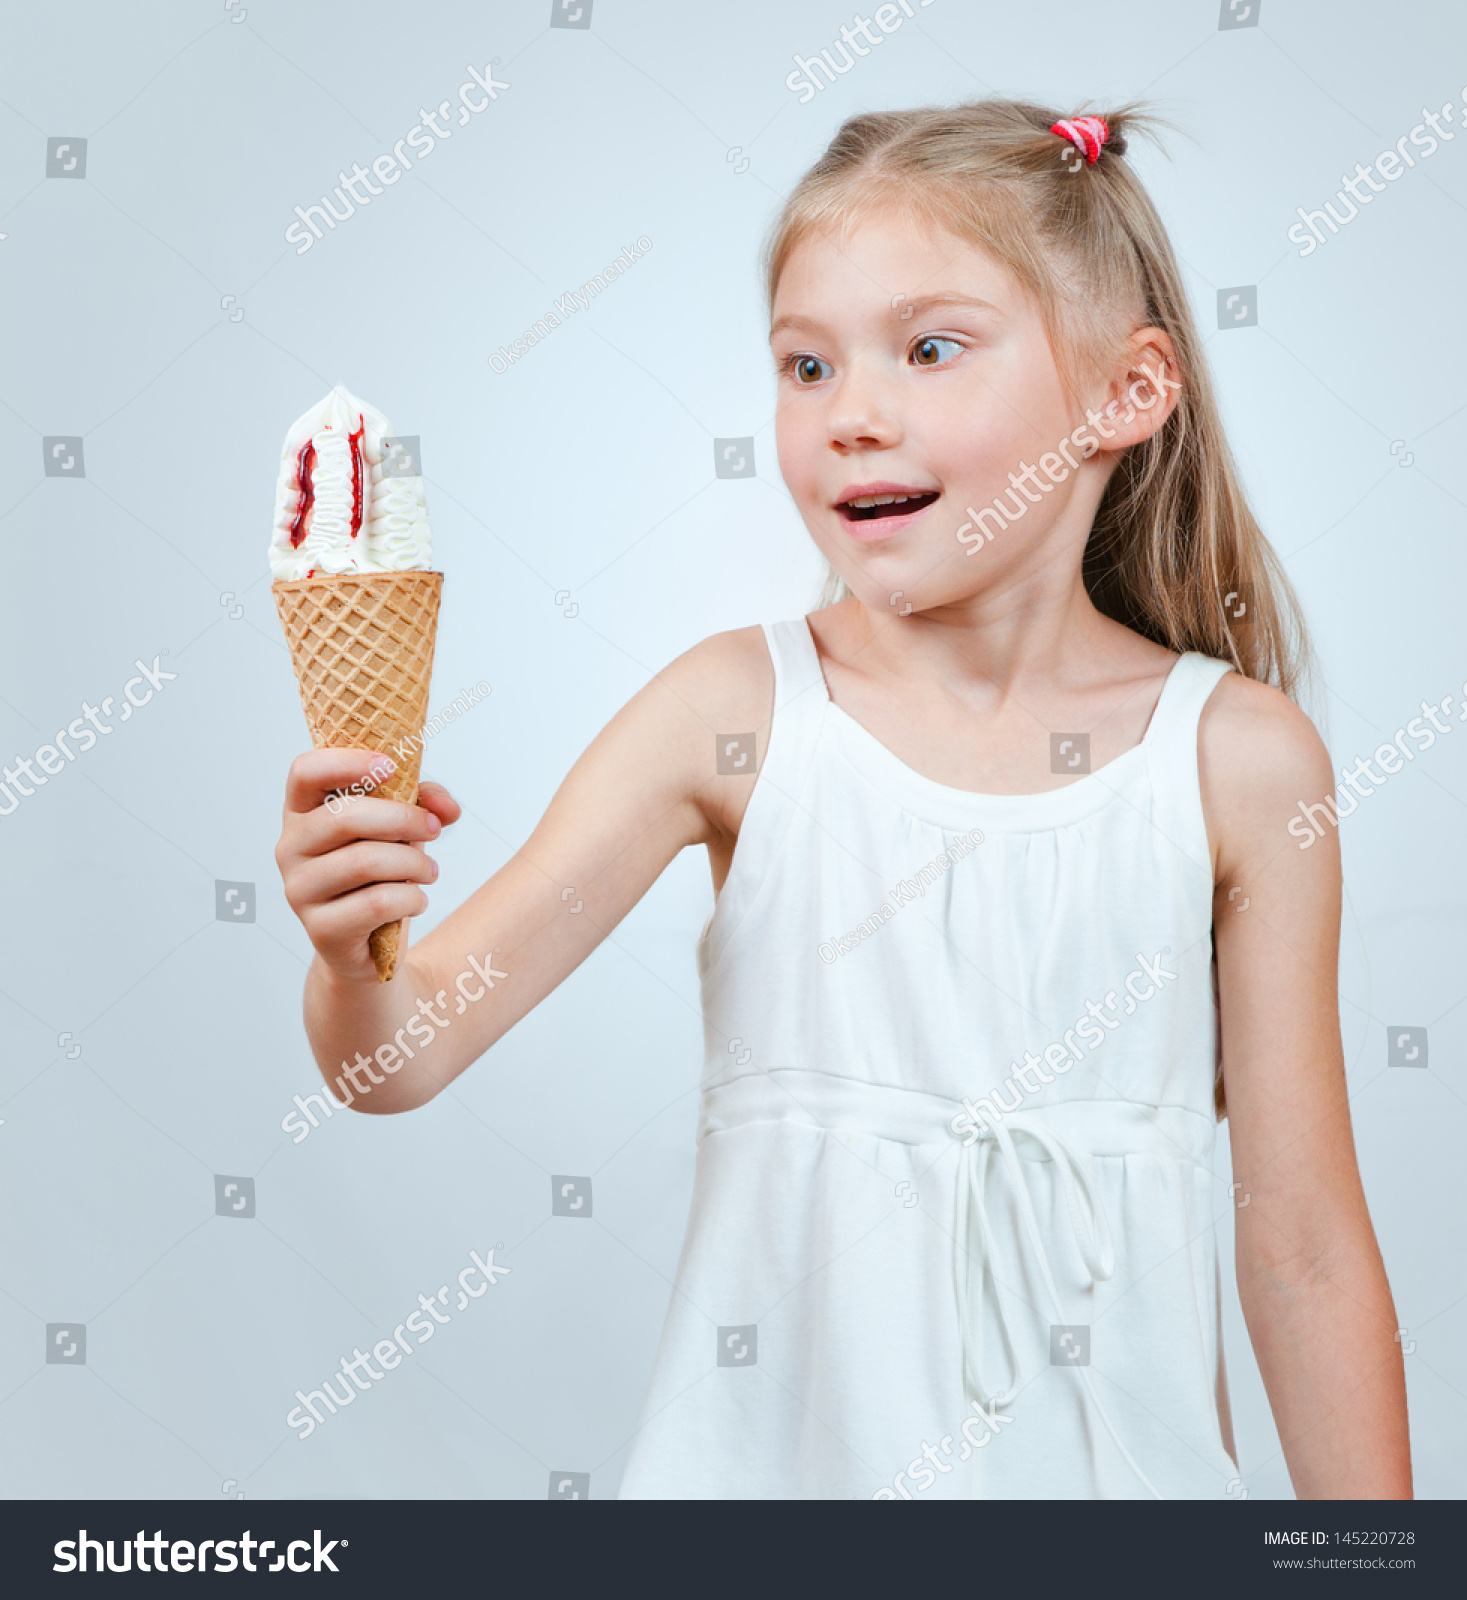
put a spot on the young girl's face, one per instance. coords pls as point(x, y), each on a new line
point(912, 364)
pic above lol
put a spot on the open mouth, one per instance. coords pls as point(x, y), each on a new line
point(879, 507)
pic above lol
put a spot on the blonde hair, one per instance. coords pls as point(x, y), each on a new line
point(1173, 537)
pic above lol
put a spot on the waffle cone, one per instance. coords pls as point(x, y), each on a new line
point(362, 647)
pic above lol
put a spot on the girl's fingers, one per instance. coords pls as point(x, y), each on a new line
point(319, 878)
point(435, 798)
point(329, 827)
point(317, 773)
point(339, 929)
point(352, 862)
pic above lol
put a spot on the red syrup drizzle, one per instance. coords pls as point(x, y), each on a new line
point(355, 441)
point(304, 471)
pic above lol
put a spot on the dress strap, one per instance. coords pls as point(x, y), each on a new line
point(797, 673)
point(786, 763)
point(1171, 746)
point(800, 700)
point(1183, 695)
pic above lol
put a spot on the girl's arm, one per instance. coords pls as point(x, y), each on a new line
point(646, 787)
point(1310, 1276)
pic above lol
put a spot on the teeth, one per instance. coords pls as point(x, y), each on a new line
point(867, 500)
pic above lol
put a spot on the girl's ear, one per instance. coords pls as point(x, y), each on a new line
point(1143, 393)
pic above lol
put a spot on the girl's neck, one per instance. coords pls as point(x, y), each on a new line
point(1041, 629)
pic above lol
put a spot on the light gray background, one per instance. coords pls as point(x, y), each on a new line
point(588, 467)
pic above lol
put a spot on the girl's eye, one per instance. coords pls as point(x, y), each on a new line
point(933, 352)
point(809, 369)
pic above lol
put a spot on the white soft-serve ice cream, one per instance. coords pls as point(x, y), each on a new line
point(335, 509)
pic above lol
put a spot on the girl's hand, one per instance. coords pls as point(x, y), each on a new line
point(352, 865)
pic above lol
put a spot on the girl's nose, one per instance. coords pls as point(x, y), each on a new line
point(862, 416)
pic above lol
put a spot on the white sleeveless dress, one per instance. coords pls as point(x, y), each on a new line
point(885, 1292)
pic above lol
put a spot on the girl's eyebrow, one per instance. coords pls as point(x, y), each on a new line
point(800, 324)
point(933, 302)
point(921, 303)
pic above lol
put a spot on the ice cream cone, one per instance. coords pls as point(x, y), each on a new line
point(362, 647)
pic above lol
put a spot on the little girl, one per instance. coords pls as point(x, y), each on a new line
point(1007, 910)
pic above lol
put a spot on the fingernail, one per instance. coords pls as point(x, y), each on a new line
point(435, 872)
point(389, 763)
point(435, 827)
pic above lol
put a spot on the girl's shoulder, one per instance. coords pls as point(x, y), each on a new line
point(1247, 721)
point(720, 695)
point(1259, 756)
point(728, 678)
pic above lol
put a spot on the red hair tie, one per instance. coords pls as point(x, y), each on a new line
point(1087, 134)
